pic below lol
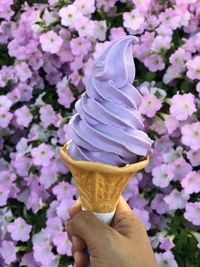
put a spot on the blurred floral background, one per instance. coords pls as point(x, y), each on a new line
point(47, 49)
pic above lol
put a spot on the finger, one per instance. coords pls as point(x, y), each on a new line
point(78, 244)
point(75, 208)
point(80, 259)
point(86, 226)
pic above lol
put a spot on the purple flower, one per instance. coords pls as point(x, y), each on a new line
point(191, 182)
point(180, 168)
point(4, 193)
point(42, 155)
point(162, 175)
point(23, 71)
point(176, 200)
point(159, 204)
point(64, 190)
point(62, 209)
point(192, 212)
point(8, 251)
point(182, 106)
point(150, 105)
point(48, 176)
point(48, 115)
point(166, 259)
point(43, 253)
point(194, 157)
point(191, 135)
point(23, 116)
point(5, 117)
point(19, 230)
point(51, 42)
point(62, 243)
point(193, 66)
point(144, 216)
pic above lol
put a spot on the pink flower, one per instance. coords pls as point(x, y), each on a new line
point(166, 259)
point(84, 27)
point(4, 193)
point(80, 46)
point(150, 105)
point(159, 204)
point(176, 200)
point(192, 213)
point(5, 117)
point(100, 29)
point(154, 62)
point(169, 18)
point(171, 124)
point(51, 42)
point(191, 182)
point(194, 157)
point(69, 15)
point(161, 42)
point(23, 71)
point(85, 7)
point(65, 97)
point(191, 135)
point(48, 115)
point(8, 251)
point(133, 20)
point(42, 155)
point(23, 116)
point(182, 106)
point(193, 66)
point(166, 243)
point(19, 230)
point(162, 175)
point(179, 58)
point(116, 32)
point(61, 241)
point(64, 190)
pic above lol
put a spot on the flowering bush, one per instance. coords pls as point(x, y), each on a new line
point(47, 50)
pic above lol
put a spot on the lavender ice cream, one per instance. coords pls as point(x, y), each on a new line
point(107, 127)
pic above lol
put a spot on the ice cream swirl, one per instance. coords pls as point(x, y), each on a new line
point(108, 127)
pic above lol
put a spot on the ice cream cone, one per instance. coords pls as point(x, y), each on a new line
point(100, 185)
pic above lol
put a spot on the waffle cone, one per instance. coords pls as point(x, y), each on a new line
point(100, 185)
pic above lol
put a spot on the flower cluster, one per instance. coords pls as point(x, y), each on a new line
point(47, 51)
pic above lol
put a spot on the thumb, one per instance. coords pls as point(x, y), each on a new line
point(86, 226)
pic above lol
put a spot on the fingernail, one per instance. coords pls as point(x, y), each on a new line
point(73, 239)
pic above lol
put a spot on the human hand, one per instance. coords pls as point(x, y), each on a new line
point(125, 244)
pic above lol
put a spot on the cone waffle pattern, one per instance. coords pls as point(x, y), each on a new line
point(100, 185)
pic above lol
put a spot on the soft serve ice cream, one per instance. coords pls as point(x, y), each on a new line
point(107, 127)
